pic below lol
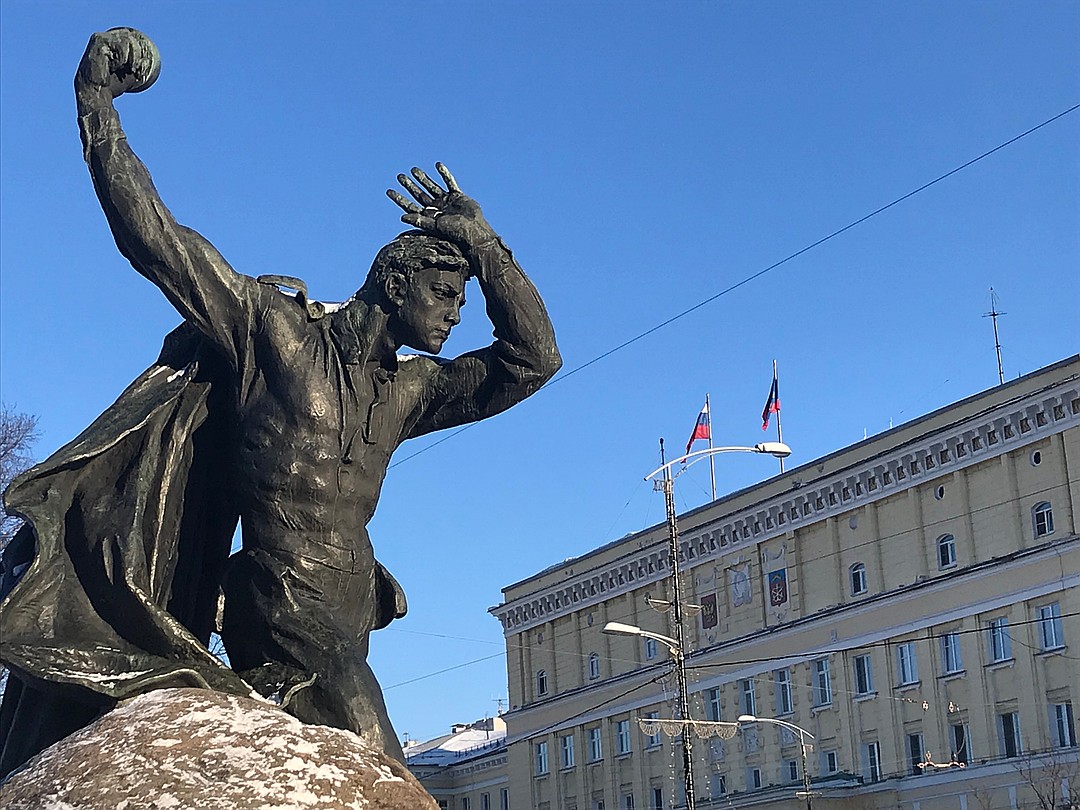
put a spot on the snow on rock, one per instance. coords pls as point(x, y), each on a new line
point(192, 749)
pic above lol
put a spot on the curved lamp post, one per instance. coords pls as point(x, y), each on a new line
point(803, 736)
point(677, 645)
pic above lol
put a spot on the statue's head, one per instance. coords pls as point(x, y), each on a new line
point(420, 280)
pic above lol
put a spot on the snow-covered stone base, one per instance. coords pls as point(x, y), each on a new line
point(192, 748)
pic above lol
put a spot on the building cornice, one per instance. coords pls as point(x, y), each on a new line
point(988, 434)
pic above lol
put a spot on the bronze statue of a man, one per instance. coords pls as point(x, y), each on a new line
point(264, 406)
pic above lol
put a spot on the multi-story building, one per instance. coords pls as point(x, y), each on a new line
point(465, 769)
point(910, 601)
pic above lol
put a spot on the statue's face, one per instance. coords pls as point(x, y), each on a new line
point(428, 307)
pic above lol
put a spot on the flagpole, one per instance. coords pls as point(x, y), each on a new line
point(779, 430)
point(712, 458)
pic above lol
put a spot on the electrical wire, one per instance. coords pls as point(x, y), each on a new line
point(753, 276)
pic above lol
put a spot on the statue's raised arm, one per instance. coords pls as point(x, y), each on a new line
point(524, 355)
point(185, 266)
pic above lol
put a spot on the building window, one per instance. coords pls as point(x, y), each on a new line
point(1050, 633)
point(568, 751)
point(1036, 458)
point(657, 799)
point(622, 737)
point(652, 740)
point(485, 801)
point(871, 764)
point(998, 640)
point(822, 684)
point(465, 803)
point(749, 699)
point(712, 705)
point(915, 753)
point(782, 681)
point(541, 682)
point(596, 745)
point(830, 762)
point(650, 649)
point(541, 758)
point(790, 770)
point(1061, 723)
point(858, 579)
point(1009, 742)
point(504, 799)
point(951, 661)
point(594, 666)
point(946, 551)
point(908, 669)
point(627, 801)
point(958, 736)
point(717, 785)
point(753, 778)
point(1043, 517)
point(864, 675)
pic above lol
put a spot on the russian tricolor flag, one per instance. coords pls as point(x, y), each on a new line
point(702, 428)
point(772, 404)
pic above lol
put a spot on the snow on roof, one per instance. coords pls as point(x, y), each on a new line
point(479, 738)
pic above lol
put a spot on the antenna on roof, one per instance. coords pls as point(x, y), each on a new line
point(993, 315)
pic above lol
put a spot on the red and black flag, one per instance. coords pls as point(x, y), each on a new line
point(772, 404)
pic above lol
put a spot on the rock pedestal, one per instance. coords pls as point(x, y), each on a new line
point(191, 748)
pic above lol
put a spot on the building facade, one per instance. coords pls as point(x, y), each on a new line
point(465, 769)
point(910, 601)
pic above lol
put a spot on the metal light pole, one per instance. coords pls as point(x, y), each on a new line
point(678, 649)
point(803, 735)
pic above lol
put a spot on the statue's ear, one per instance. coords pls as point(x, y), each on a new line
point(394, 287)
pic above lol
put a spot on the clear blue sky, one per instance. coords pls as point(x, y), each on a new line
point(639, 158)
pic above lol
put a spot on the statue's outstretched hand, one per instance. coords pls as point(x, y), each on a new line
point(118, 61)
point(445, 213)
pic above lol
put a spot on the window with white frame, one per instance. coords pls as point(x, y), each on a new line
point(871, 761)
point(1051, 636)
point(822, 685)
point(857, 573)
point(1010, 743)
point(541, 758)
point(594, 666)
point(753, 778)
point(790, 770)
point(830, 762)
point(1062, 726)
point(998, 642)
point(1042, 516)
point(504, 799)
point(567, 751)
point(627, 801)
point(712, 704)
point(749, 699)
point(657, 795)
point(485, 801)
point(622, 737)
point(652, 740)
point(650, 649)
point(596, 745)
point(915, 753)
point(951, 661)
point(466, 804)
point(541, 682)
point(907, 666)
point(782, 685)
point(864, 675)
point(961, 743)
point(946, 551)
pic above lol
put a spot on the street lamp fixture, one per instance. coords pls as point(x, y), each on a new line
point(804, 735)
point(618, 628)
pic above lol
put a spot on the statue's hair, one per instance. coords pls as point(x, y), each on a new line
point(409, 253)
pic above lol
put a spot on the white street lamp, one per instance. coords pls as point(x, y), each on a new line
point(804, 735)
point(677, 645)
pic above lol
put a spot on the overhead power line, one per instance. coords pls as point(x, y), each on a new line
point(753, 276)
